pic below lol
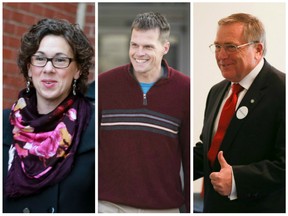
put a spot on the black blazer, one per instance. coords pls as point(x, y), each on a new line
point(254, 146)
point(75, 194)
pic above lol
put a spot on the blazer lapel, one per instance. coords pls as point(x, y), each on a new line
point(213, 111)
point(250, 101)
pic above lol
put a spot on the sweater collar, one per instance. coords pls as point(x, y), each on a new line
point(164, 67)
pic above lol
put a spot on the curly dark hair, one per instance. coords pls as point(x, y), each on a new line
point(81, 47)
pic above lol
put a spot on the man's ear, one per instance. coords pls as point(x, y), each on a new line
point(166, 47)
point(259, 47)
point(259, 50)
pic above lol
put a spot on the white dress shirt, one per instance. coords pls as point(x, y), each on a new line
point(246, 82)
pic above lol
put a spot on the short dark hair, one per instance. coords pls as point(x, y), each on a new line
point(82, 50)
point(151, 20)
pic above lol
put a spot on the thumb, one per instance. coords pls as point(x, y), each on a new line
point(222, 160)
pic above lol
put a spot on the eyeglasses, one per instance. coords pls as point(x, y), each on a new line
point(228, 47)
point(57, 62)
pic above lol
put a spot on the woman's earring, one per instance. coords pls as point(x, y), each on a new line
point(74, 87)
point(28, 83)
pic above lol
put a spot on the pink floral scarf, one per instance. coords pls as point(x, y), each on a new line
point(44, 146)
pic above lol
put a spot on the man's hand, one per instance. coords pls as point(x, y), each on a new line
point(222, 181)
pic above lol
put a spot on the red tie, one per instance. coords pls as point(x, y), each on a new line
point(224, 121)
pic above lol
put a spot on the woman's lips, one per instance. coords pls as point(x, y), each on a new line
point(49, 83)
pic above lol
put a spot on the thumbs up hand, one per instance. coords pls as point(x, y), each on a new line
point(222, 180)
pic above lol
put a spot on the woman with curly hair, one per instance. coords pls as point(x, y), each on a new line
point(49, 145)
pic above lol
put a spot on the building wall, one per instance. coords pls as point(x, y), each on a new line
point(17, 19)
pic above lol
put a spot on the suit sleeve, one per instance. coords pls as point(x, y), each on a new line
point(261, 178)
point(265, 175)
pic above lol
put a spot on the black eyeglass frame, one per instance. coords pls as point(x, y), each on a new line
point(51, 60)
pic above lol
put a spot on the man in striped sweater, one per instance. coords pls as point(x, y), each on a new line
point(144, 127)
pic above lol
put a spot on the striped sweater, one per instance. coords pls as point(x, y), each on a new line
point(144, 139)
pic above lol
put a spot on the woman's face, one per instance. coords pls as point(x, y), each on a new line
point(52, 84)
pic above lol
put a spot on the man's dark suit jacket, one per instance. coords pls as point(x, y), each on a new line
point(254, 146)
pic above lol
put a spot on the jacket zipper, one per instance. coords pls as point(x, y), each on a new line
point(145, 100)
point(145, 103)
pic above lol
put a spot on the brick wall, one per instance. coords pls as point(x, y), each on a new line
point(17, 18)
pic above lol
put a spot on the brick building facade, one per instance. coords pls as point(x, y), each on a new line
point(18, 17)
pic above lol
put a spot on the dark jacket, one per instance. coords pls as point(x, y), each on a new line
point(75, 194)
point(254, 146)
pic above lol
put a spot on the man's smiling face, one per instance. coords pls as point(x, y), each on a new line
point(146, 51)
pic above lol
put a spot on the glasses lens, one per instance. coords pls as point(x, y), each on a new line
point(230, 48)
point(226, 47)
point(215, 47)
point(212, 47)
point(61, 62)
point(38, 60)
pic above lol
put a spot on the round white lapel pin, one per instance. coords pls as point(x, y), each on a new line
point(242, 112)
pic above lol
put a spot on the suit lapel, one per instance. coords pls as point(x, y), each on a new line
point(250, 101)
point(217, 97)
